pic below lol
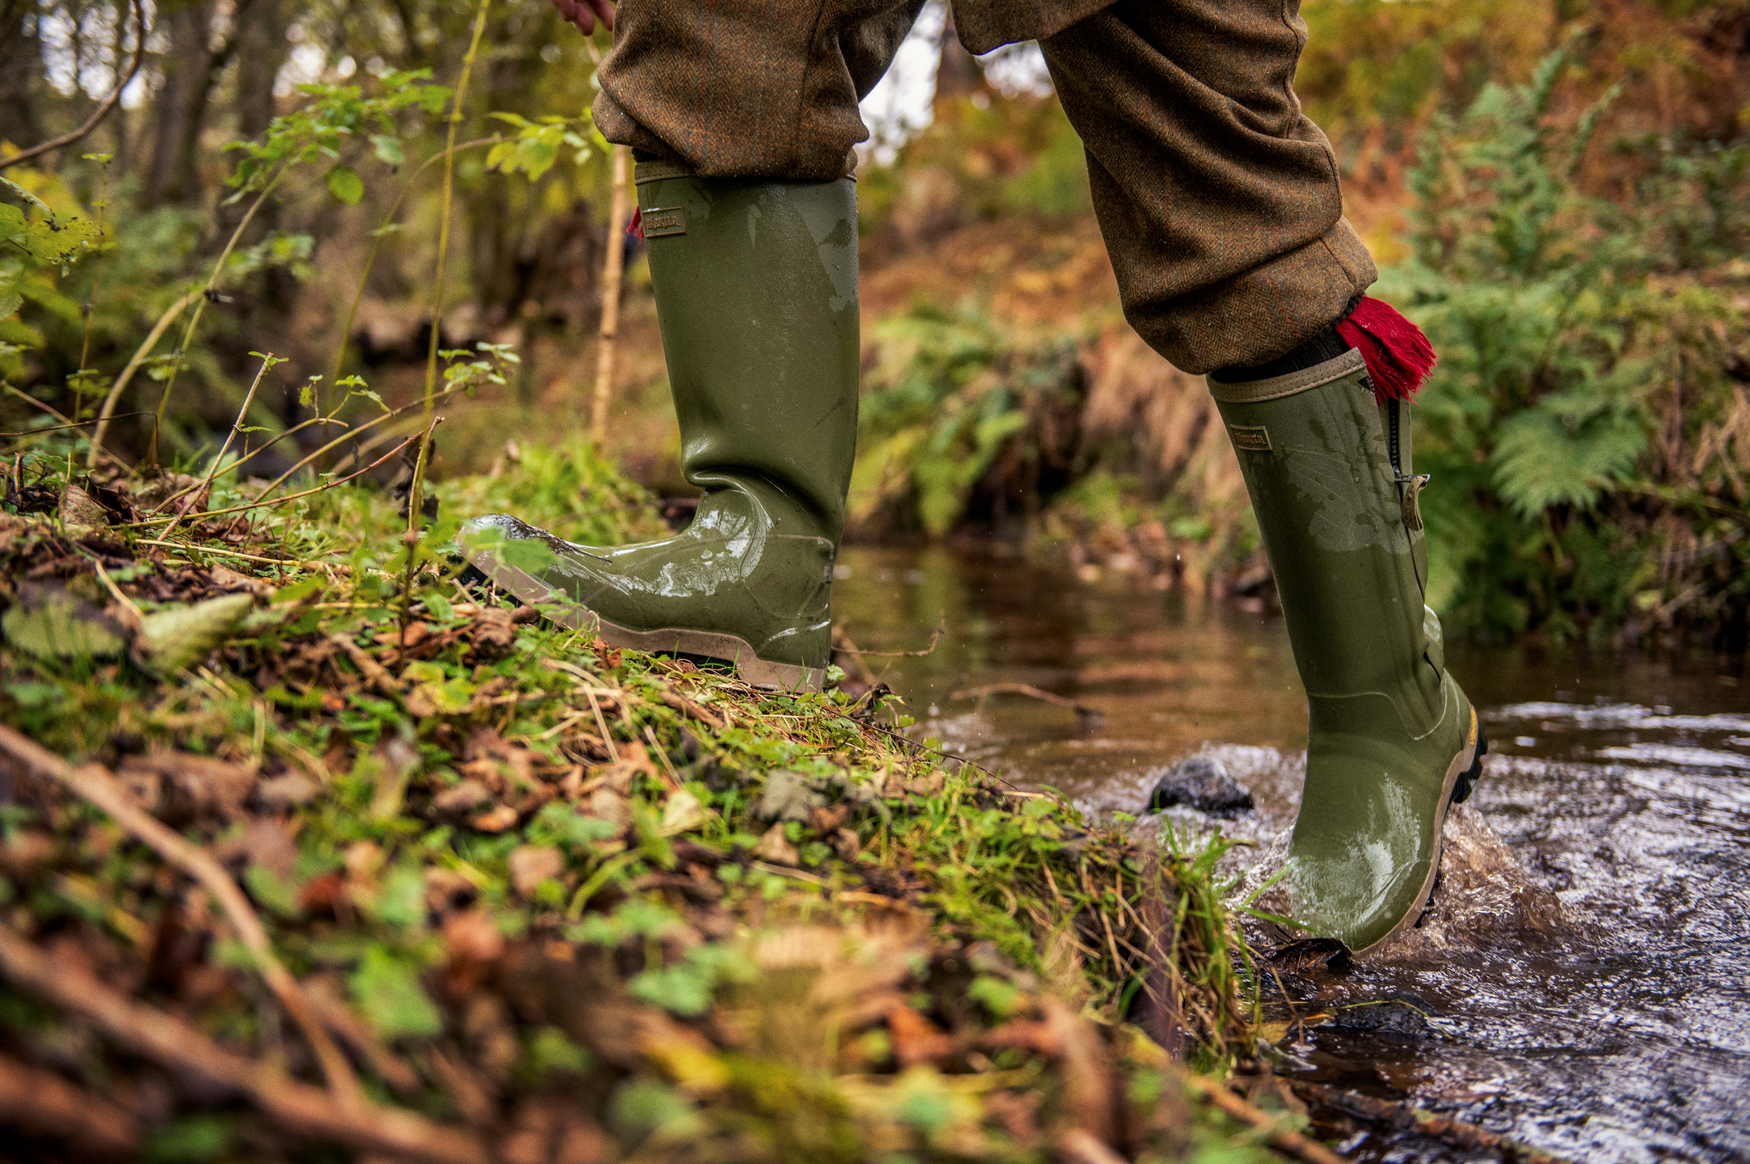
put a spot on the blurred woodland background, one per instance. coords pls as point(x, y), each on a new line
point(1558, 191)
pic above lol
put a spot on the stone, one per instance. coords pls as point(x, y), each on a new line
point(1203, 783)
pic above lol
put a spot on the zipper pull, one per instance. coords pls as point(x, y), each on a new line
point(1409, 489)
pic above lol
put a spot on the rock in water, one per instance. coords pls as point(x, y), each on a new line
point(1203, 783)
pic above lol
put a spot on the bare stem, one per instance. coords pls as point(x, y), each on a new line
point(206, 482)
point(133, 364)
point(612, 269)
point(344, 437)
point(259, 503)
point(194, 320)
point(416, 491)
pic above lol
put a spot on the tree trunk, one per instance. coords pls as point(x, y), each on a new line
point(182, 103)
point(262, 50)
point(21, 70)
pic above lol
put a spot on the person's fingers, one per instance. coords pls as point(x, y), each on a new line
point(585, 13)
point(573, 12)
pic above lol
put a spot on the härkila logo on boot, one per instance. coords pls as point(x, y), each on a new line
point(1251, 437)
point(664, 220)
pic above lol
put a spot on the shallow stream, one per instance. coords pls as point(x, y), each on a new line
point(1582, 982)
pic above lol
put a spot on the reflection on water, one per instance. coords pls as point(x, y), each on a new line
point(1582, 981)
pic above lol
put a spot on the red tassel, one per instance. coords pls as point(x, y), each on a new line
point(1398, 356)
point(635, 228)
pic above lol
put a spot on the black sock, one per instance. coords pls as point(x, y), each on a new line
point(1326, 345)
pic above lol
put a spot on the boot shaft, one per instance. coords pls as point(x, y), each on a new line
point(756, 290)
point(1346, 550)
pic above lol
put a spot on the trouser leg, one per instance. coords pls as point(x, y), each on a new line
point(748, 89)
point(1218, 198)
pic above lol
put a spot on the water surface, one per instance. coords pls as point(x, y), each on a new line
point(1582, 980)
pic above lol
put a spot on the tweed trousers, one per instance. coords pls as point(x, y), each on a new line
point(1218, 198)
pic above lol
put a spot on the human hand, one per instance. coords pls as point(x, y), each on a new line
point(584, 13)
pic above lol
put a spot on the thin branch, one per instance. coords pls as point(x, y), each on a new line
point(206, 483)
point(260, 504)
point(346, 436)
point(206, 293)
point(381, 233)
point(103, 110)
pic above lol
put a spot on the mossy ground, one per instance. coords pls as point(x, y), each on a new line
point(591, 904)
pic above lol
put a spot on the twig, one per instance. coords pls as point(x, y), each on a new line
point(372, 670)
point(260, 504)
point(686, 706)
point(613, 264)
point(1281, 1138)
point(1031, 692)
point(206, 483)
point(42, 1102)
point(175, 1044)
point(36, 432)
point(95, 785)
point(416, 490)
point(349, 435)
point(342, 566)
point(842, 641)
point(103, 110)
point(935, 637)
point(29, 399)
point(1403, 1117)
point(207, 293)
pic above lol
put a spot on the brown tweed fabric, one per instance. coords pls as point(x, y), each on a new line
point(1218, 199)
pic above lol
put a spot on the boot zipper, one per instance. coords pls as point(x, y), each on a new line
point(1409, 487)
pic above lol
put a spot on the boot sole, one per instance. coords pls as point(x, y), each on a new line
point(731, 649)
point(1468, 758)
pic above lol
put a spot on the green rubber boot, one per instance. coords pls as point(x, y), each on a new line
point(756, 291)
point(1393, 740)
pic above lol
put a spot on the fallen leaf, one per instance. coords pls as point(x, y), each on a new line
point(52, 623)
point(532, 864)
point(788, 796)
point(473, 936)
point(776, 848)
point(181, 636)
point(464, 797)
point(78, 508)
point(915, 1038)
point(495, 821)
point(187, 786)
point(682, 812)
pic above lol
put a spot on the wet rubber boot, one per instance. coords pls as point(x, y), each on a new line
point(756, 293)
point(1393, 741)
